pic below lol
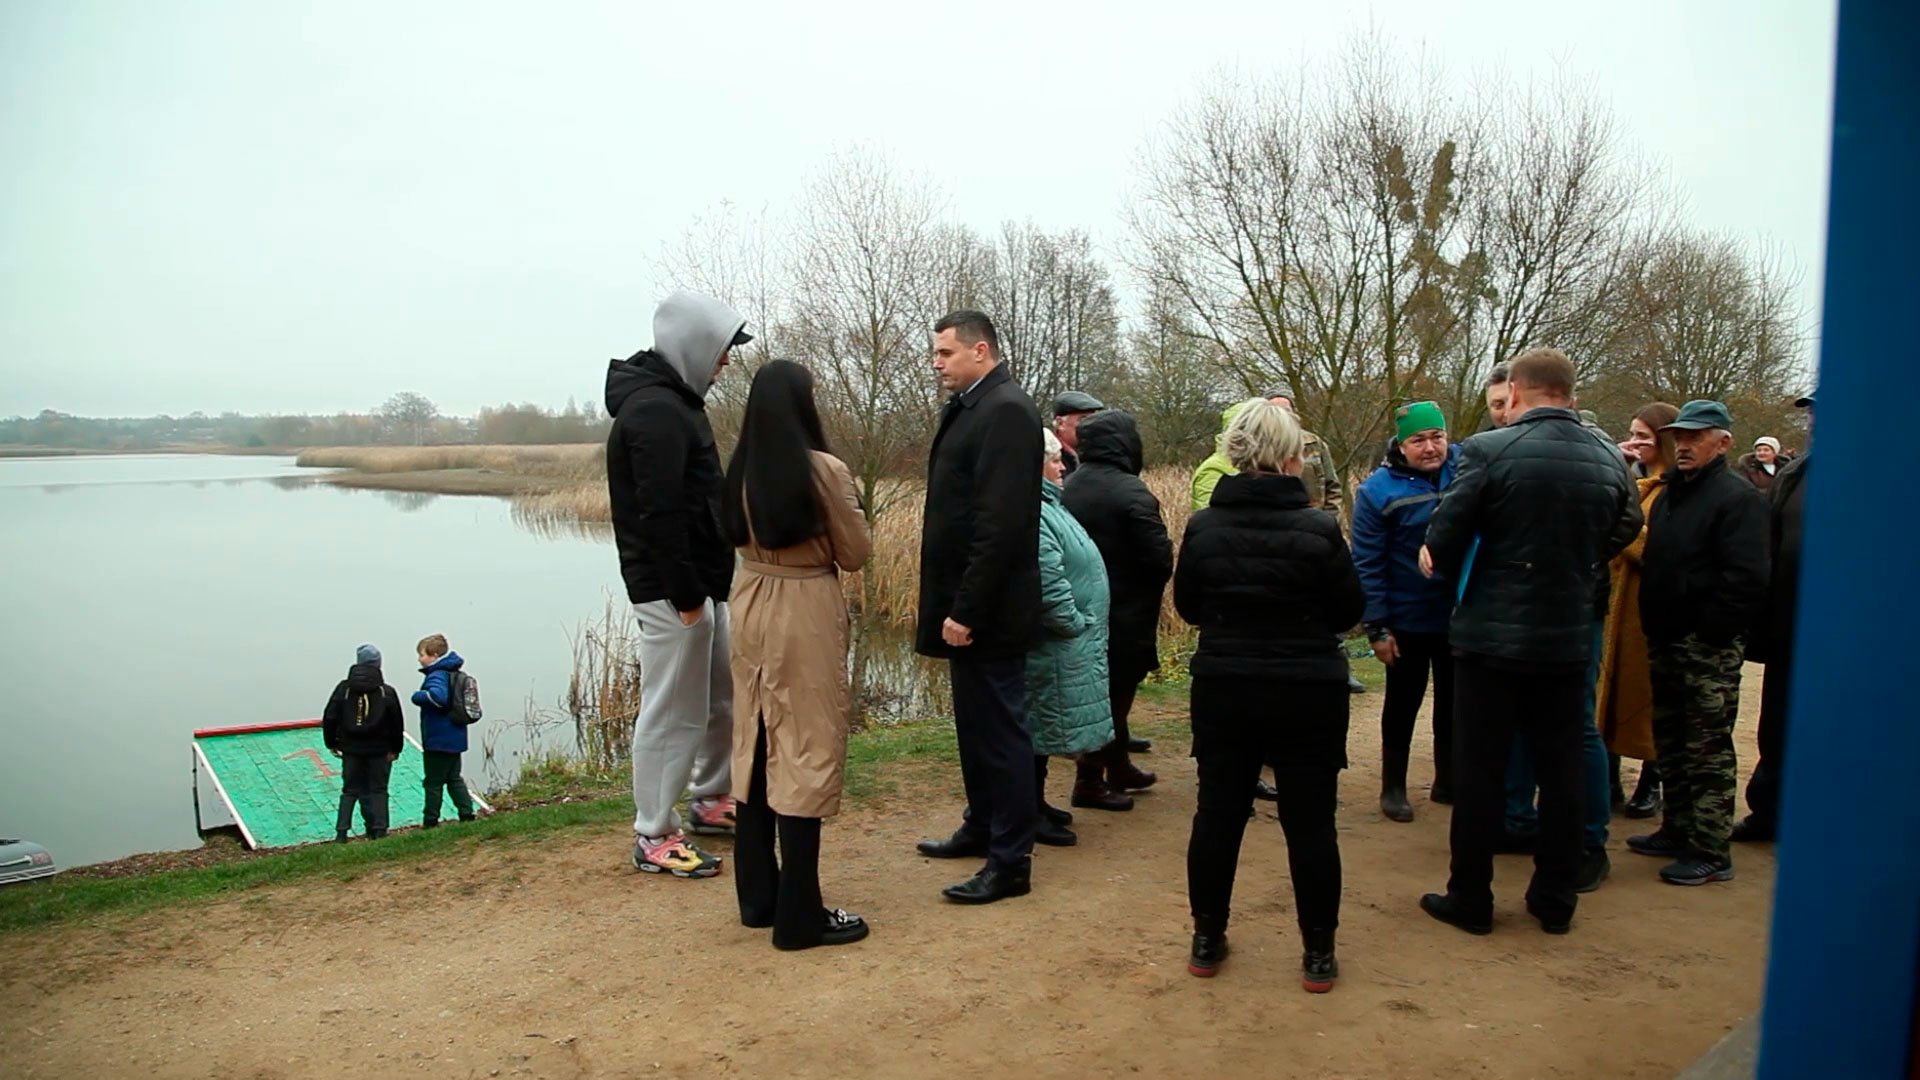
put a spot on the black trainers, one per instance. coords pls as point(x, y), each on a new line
point(1265, 792)
point(1047, 832)
point(1594, 869)
point(1697, 869)
point(1660, 843)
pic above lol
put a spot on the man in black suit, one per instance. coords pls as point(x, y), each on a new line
point(980, 598)
point(1536, 512)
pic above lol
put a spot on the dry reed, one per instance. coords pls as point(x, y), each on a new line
point(579, 462)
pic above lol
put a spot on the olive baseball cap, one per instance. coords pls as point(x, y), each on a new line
point(1701, 416)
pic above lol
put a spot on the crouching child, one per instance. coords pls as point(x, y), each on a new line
point(442, 736)
point(363, 727)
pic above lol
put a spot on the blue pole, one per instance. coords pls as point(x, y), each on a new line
point(1846, 922)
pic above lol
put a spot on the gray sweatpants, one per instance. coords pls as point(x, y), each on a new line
point(683, 737)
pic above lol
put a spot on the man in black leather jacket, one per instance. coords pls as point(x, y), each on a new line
point(1536, 512)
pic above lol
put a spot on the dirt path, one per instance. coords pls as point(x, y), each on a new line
point(561, 961)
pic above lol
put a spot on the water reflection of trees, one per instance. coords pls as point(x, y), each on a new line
point(409, 502)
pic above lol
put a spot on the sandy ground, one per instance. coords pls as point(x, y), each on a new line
point(562, 961)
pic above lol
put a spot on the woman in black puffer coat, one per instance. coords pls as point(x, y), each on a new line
point(1109, 500)
point(1270, 583)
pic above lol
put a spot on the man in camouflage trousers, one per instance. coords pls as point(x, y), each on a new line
point(1703, 591)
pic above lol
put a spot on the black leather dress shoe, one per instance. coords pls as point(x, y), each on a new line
point(1449, 911)
point(1138, 745)
point(989, 885)
point(1052, 835)
point(961, 845)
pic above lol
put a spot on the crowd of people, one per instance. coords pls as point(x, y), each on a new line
point(1570, 601)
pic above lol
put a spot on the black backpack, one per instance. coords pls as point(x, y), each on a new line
point(463, 698)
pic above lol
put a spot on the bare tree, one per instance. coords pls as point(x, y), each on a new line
point(871, 268)
point(1058, 320)
point(410, 414)
point(1170, 383)
point(1705, 316)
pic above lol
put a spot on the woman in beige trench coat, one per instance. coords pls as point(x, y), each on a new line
point(791, 510)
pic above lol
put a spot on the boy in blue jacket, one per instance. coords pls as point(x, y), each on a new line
point(441, 738)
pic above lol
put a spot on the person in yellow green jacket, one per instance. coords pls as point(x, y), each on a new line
point(1323, 481)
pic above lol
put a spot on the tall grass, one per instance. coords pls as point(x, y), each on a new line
point(579, 462)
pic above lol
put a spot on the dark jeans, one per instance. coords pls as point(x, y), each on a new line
point(996, 757)
point(1763, 790)
point(1595, 762)
point(1299, 729)
point(363, 780)
point(1406, 687)
point(443, 771)
point(784, 893)
point(1494, 703)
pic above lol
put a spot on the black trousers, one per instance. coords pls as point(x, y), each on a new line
point(783, 893)
point(996, 757)
point(443, 774)
point(1546, 706)
point(1406, 688)
point(363, 780)
point(1763, 789)
point(1300, 729)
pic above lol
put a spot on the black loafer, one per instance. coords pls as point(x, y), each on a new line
point(988, 886)
point(842, 928)
point(1448, 910)
point(961, 845)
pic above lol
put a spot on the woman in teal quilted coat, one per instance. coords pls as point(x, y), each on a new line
point(1067, 692)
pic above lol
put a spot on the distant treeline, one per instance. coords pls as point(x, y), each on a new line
point(405, 420)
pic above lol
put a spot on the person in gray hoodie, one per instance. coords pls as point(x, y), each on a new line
point(664, 489)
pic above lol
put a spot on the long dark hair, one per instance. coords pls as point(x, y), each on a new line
point(770, 479)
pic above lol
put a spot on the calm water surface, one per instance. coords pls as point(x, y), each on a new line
point(143, 597)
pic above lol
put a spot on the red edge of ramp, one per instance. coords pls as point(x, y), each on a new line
point(253, 729)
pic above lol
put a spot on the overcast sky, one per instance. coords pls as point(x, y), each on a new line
point(287, 207)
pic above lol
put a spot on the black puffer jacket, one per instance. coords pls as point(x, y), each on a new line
point(1269, 582)
point(363, 716)
point(663, 486)
point(1550, 505)
point(1705, 567)
point(1111, 502)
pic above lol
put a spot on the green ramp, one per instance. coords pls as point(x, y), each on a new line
point(280, 786)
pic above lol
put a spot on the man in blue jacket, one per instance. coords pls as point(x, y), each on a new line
point(1407, 612)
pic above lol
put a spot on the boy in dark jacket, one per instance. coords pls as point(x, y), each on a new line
point(441, 737)
point(363, 727)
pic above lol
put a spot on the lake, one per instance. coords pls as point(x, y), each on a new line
point(146, 596)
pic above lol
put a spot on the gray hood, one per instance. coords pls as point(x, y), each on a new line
point(690, 332)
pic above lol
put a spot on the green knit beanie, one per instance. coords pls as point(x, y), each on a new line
point(1417, 417)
